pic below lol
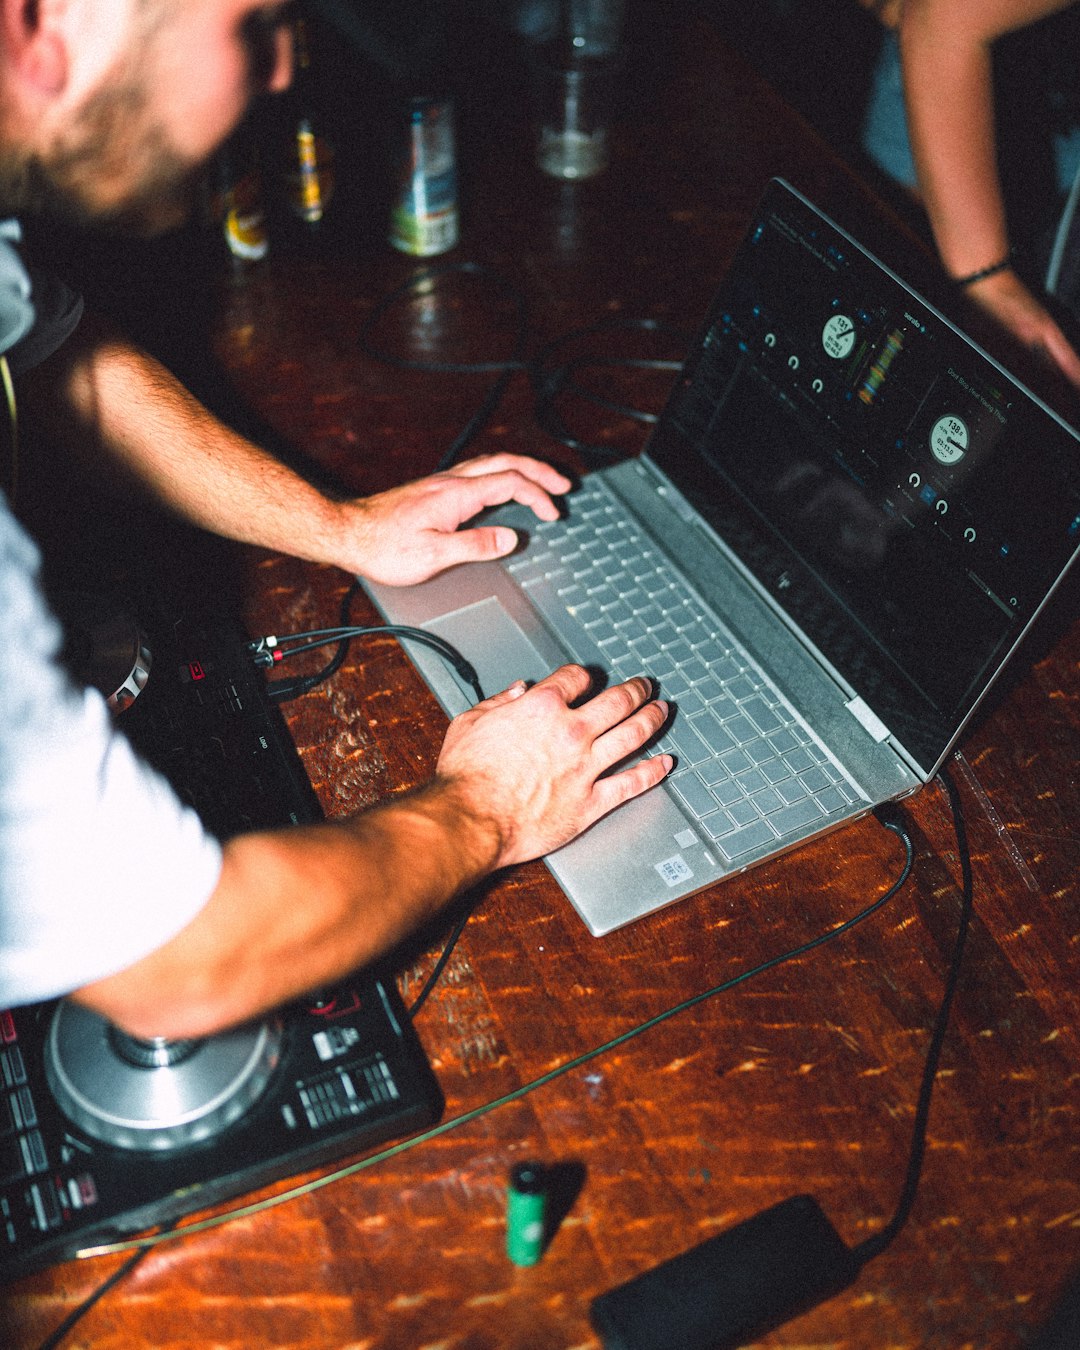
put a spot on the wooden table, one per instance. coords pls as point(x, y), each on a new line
point(802, 1080)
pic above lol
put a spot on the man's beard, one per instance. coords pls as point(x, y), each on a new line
point(115, 169)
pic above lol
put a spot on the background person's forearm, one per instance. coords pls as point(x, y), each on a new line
point(948, 87)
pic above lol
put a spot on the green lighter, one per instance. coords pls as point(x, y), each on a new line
point(526, 1202)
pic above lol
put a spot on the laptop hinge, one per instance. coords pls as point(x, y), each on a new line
point(867, 719)
point(676, 501)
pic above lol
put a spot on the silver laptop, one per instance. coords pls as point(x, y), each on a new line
point(844, 522)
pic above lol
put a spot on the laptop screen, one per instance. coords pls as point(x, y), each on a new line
point(904, 500)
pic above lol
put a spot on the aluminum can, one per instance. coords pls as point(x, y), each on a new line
point(424, 216)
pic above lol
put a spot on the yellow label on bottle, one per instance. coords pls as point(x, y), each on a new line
point(245, 226)
point(310, 197)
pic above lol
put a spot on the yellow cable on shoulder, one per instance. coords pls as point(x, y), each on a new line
point(9, 394)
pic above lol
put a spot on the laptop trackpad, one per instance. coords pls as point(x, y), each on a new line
point(495, 644)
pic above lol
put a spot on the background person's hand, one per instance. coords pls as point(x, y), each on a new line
point(1008, 300)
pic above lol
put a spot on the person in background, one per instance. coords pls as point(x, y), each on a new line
point(930, 125)
point(107, 111)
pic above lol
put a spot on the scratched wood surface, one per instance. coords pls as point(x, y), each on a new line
point(801, 1080)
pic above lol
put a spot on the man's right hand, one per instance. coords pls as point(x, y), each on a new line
point(298, 908)
point(534, 766)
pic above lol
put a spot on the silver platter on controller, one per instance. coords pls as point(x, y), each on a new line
point(104, 647)
point(155, 1095)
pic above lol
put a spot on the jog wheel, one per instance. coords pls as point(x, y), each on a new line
point(155, 1095)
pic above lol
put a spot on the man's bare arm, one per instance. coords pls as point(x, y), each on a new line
point(518, 776)
point(124, 409)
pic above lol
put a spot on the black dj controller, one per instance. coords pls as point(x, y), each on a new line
point(103, 1136)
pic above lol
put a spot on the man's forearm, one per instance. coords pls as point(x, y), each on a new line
point(300, 908)
point(519, 775)
point(123, 407)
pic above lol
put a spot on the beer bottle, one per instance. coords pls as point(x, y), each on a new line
point(309, 155)
point(236, 208)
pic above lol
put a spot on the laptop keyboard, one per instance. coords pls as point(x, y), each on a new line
point(747, 766)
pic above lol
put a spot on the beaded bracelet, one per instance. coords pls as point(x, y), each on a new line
point(985, 272)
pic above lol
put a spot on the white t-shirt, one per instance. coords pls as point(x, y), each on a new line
point(100, 863)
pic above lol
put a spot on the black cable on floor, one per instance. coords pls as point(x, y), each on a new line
point(875, 1245)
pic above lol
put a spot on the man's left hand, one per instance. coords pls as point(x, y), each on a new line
point(410, 533)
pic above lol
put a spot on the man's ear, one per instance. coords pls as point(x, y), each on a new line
point(34, 47)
